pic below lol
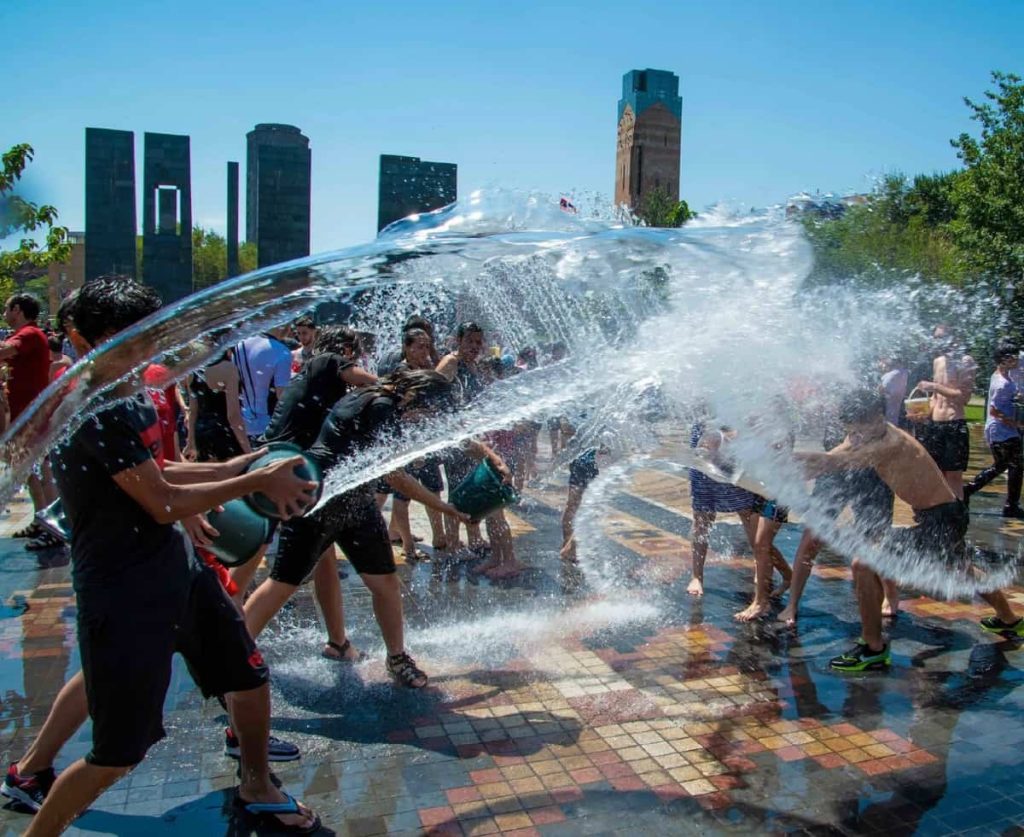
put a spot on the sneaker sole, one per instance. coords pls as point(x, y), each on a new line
point(274, 757)
point(1005, 634)
point(20, 797)
point(876, 666)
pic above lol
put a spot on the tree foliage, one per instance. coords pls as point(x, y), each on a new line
point(19, 216)
point(951, 227)
point(209, 258)
point(659, 210)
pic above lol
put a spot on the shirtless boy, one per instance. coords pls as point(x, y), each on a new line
point(941, 517)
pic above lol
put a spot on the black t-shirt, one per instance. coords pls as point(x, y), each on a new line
point(304, 405)
point(115, 543)
point(354, 423)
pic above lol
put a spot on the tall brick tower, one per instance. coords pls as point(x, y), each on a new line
point(650, 129)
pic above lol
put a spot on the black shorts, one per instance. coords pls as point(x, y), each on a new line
point(127, 644)
point(215, 443)
point(428, 474)
point(867, 495)
point(770, 510)
point(940, 532)
point(583, 470)
point(352, 521)
point(947, 442)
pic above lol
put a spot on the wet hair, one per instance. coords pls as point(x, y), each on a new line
point(468, 327)
point(336, 339)
point(429, 390)
point(304, 322)
point(63, 311)
point(418, 322)
point(1005, 349)
point(108, 305)
point(410, 337)
point(28, 304)
point(56, 344)
point(862, 405)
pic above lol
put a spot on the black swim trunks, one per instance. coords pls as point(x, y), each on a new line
point(350, 520)
point(127, 641)
point(939, 532)
point(947, 442)
point(583, 469)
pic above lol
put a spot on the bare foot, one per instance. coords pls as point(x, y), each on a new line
point(888, 610)
point(788, 615)
point(485, 567)
point(695, 587)
point(568, 552)
point(780, 591)
point(755, 611)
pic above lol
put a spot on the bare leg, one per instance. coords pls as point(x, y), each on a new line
point(438, 539)
point(504, 551)
point(869, 601)
point(891, 600)
point(702, 523)
point(572, 505)
point(387, 608)
point(327, 587)
point(803, 563)
point(264, 604)
point(69, 711)
point(400, 524)
point(75, 789)
point(766, 531)
point(955, 480)
point(250, 719)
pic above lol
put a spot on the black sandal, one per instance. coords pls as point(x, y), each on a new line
point(405, 672)
point(342, 649)
point(266, 815)
point(33, 530)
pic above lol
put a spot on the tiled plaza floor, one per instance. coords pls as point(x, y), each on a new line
point(592, 702)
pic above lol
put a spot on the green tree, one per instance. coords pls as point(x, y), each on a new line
point(659, 210)
point(989, 195)
point(210, 258)
point(17, 216)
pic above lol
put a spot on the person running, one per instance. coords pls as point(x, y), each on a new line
point(26, 353)
point(142, 595)
point(941, 519)
point(216, 430)
point(305, 331)
point(945, 434)
point(1002, 433)
point(324, 380)
point(352, 520)
point(583, 470)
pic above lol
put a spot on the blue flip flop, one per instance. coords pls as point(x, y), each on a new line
point(267, 815)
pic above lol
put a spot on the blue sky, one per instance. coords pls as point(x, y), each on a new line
point(777, 97)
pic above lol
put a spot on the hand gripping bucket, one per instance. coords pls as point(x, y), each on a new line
point(918, 408)
point(482, 492)
point(276, 451)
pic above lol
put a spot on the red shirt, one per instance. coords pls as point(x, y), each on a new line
point(155, 378)
point(30, 367)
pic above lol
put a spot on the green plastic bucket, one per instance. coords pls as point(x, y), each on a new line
point(482, 492)
point(277, 451)
point(243, 532)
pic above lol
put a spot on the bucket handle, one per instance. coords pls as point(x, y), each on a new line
point(918, 390)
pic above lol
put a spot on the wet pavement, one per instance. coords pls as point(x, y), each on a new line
point(598, 701)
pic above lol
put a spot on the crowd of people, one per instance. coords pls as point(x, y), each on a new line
point(138, 481)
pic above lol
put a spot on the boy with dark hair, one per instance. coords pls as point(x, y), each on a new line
point(941, 518)
point(305, 332)
point(142, 595)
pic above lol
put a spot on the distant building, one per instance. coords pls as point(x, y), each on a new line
point(68, 276)
point(232, 227)
point(409, 186)
point(649, 137)
point(167, 215)
point(110, 221)
point(277, 188)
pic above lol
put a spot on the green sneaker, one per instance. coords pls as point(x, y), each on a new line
point(994, 625)
point(862, 658)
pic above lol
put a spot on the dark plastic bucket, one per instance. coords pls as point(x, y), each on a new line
point(482, 492)
point(243, 532)
point(277, 451)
